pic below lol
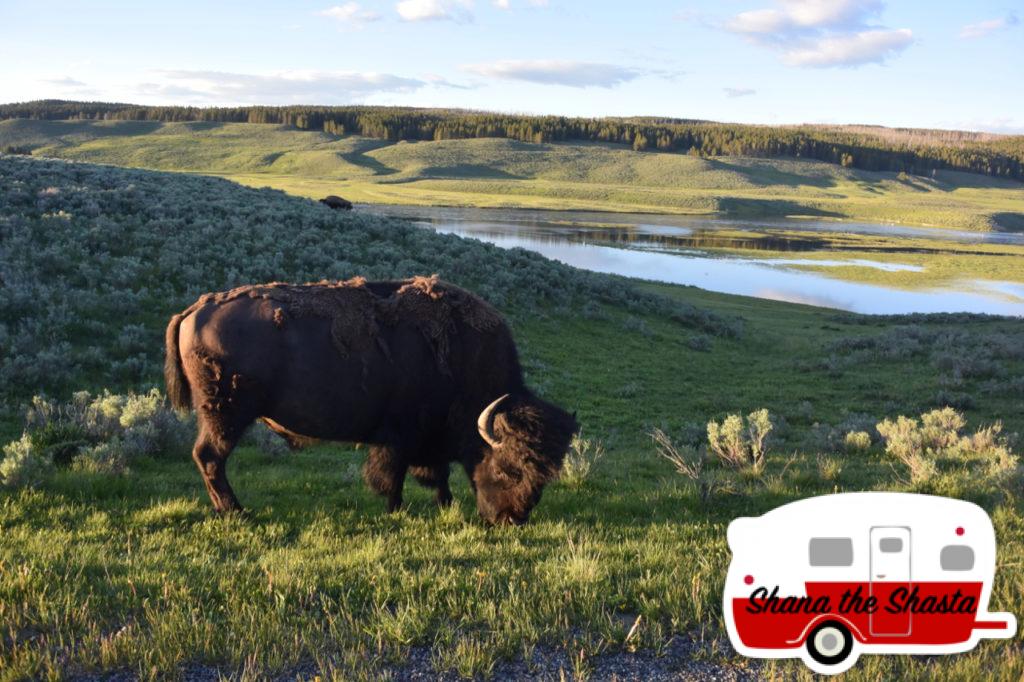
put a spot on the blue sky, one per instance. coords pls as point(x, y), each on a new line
point(904, 63)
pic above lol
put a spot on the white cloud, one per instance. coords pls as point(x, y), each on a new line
point(280, 87)
point(64, 82)
point(828, 12)
point(739, 92)
point(349, 13)
point(821, 33)
point(501, 4)
point(441, 82)
point(556, 72)
point(983, 28)
point(798, 15)
point(864, 47)
point(435, 10)
point(757, 21)
point(66, 86)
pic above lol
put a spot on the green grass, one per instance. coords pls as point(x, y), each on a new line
point(506, 173)
point(102, 573)
point(136, 573)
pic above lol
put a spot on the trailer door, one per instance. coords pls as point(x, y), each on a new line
point(890, 569)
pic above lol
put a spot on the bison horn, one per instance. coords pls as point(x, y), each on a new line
point(485, 423)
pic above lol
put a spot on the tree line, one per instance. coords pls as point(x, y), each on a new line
point(862, 147)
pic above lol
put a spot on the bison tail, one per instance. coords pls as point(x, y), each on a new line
point(178, 390)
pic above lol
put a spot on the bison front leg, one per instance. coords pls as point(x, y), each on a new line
point(435, 477)
point(384, 472)
point(211, 456)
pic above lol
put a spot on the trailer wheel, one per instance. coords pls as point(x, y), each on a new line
point(830, 643)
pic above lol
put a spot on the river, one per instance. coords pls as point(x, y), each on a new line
point(720, 255)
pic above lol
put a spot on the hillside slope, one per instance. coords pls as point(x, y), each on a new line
point(82, 243)
point(501, 172)
point(128, 572)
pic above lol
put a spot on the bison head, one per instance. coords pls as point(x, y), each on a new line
point(526, 442)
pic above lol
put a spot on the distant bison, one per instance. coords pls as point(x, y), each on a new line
point(337, 203)
point(423, 371)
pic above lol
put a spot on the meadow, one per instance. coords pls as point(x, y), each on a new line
point(111, 560)
point(508, 173)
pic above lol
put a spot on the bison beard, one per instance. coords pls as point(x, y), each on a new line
point(423, 371)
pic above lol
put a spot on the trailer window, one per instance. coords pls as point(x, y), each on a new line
point(891, 545)
point(956, 558)
point(831, 552)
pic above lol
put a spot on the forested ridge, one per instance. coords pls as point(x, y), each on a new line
point(865, 147)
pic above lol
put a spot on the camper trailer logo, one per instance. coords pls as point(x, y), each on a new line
point(828, 578)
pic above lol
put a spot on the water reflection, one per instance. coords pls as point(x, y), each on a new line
point(680, 250)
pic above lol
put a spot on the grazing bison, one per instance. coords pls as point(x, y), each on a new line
point(337, 203)
point(423, 371)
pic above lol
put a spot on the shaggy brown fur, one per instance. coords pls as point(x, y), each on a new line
point(405, 366)
point(337, 203)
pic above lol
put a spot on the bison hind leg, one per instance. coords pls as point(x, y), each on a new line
point(219, 432)
point(210, 454)
point(435, 476)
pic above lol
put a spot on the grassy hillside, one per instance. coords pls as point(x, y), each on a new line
point(918, 151)
point(500, 172)
point(127, 570)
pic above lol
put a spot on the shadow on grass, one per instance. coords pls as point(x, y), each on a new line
point(109, 129)
point(1008, 221)
point(359, 158)
point(765, 175)
point(199, 126)
point(358, 155)
point(463, 171)
point(768, 208)
point(35, 133)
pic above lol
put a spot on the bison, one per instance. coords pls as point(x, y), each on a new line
point(422, 371)
point(337, 203)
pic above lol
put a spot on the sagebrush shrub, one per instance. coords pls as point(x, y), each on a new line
point(940, 429)
point(266, 441)
point(857, 442)
point(689, 461)
point(829, 468)
point(106, 458)
point(955, 399)
point(727, 440)
point(919, 445)
point(22, 465)
point(151, 427)
point(739, 443)
point(583, 455)
point(100, 434)
point(903, 437)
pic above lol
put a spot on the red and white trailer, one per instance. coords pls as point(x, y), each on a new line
point(828, 578)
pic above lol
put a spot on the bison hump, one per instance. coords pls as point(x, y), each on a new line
point(359, 317)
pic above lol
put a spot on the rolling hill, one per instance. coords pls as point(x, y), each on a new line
point(496, 172)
